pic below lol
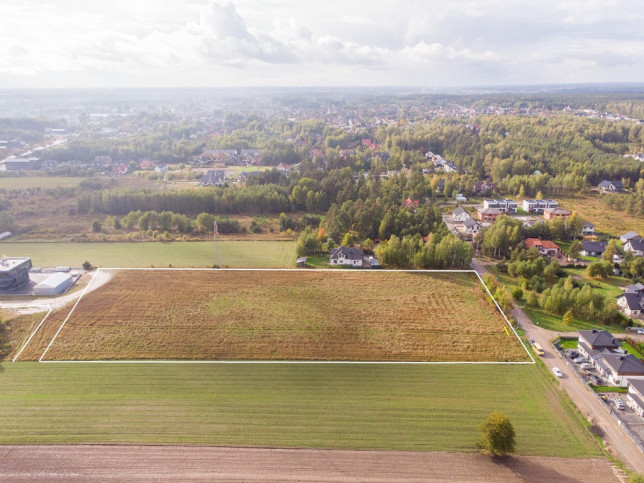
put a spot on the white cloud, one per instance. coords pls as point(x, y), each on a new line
point(254, 42)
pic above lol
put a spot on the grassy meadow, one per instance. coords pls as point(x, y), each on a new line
point(398, 407)
point(43, 182)
point(244, 254)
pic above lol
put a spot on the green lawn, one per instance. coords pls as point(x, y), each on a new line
point(264, 254)
point(24, 182)
point(610, 286)
point(401, 407)
point(565, 247)
point(553, 322)
point(568, 343)
point(317, 261)
point(632, 350)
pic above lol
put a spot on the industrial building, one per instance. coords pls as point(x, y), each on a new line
point(54, 285)
point(14, 271)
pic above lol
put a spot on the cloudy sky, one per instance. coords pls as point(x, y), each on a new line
point(201, 43)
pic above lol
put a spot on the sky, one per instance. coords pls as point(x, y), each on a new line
point(429, 43)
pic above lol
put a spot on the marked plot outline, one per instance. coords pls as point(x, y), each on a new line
point(357, 273)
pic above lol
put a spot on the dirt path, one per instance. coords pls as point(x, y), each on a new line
point(181, 463)
point(97, 279)
point(623, 446)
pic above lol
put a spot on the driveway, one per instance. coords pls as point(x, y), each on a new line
point(618, 442)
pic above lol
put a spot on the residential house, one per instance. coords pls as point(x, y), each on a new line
point(504, 205)
point(593, 248)
point(538, 206)
point(17, 164)
point(450, 167)
point(620, 368)
point(552, 213)
point(627, 236)
point(213, 177)
point(636, 395)
point(283, 168)
point(459, 214)
point(635, 246)
point(347, 257)
point(488, 214)
point(484, 187)
point(472, 227)
point(588, 229)
point(610, 186)
point(631, 304)
point(409, 203)
point(120, 169)
point(592, 342)
point(545, 247)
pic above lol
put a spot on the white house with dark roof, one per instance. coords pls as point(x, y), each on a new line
point(538, 206)
point(635, 246)
point(610, 186)
point(620, 368)
point(459, 214)
point(504, 205)
point(636, 395)
point(593, 248)
point(631, 304)
point(346, 257)
point(588, 229)
point(472, 227)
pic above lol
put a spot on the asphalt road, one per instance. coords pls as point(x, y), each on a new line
point(618, 442)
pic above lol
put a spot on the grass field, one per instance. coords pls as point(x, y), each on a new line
point(24, 182)
point(420, 408)
point(591, 208)
point(245, 254)
point(285, 315)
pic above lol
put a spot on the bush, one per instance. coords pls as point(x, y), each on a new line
point(517, 293)
point(87, 266)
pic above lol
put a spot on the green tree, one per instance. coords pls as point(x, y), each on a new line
point(96, 226)
point(575, 249)
point(517, 293)
point(567, 318)
point(497, 435)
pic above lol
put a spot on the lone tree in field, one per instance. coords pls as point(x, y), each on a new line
point(568, 318)
point(497, 435)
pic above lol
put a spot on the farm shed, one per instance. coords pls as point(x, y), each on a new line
point(54, 285)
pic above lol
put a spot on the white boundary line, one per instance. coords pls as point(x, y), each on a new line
point(68, 316)
point(43, 306)
point(168, 361)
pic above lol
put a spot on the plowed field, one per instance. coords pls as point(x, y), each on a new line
point(286, 315)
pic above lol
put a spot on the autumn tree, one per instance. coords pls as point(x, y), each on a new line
point(497, 436)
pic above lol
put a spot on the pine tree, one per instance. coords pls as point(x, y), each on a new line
point(568, 318)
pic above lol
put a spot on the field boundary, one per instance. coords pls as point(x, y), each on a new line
point(44, 306)
point(169, 361)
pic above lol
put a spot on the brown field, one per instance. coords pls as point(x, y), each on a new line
point(285, 315)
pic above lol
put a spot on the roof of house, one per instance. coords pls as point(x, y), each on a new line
point(459, 211)
point(490, 211)
point(594, 246)
point(599, 338)
point(536, 242)
point(349, 253)
point(557, 211)
point(636, 243)
point(588, 224)
point(629, 235)
point(638, 287)
point(470, 222)
point(213, 176)
point(606, 183)
point(633, 300)
point(637, 384)
point(626, 364)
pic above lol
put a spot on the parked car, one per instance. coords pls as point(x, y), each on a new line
point(557, 372)
point(619, 404)
point(573, 354)
point(587, 365)
point(596, 380)
point(640, 331)
point(580, 360)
